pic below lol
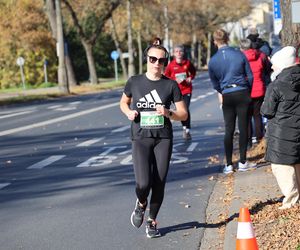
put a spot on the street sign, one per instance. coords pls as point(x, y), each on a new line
point(277, 17)
point(125, 55)
point(20, 61)
point(276, 9)
point(114, 55)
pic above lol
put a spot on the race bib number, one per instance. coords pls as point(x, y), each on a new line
point(181, 76)
point(150, 119)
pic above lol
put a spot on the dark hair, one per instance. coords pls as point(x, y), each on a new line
point(221, 36)
point(156, 41)
point(157, 44)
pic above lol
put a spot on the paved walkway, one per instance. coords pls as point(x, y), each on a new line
point(40, 91)
point(258, 185)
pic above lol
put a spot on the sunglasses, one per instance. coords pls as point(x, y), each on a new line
point(161, 61)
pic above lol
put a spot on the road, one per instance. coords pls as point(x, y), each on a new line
point(66, 178)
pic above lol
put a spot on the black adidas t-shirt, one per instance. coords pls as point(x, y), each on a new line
point(146, 94)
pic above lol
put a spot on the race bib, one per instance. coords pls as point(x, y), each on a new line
point(181, 76)
point(150, 119)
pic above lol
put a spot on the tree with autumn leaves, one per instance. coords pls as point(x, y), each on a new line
point(25, 32)
point(28, 30)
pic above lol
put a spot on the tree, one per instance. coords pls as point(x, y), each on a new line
point(51, 14)
point(131, 68)
point(118, 47)
point(89, 24)
point(24, 32)
point(290, 34)
point(62, 74)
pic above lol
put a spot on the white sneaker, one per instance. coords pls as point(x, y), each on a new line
point(228, 169)
point(254, 140)
point(246, 166)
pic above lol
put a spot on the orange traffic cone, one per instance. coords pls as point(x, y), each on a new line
point(245, 239)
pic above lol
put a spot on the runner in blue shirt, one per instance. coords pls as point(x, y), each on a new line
point(231, 76)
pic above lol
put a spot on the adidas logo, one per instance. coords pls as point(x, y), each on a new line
point(150, 100)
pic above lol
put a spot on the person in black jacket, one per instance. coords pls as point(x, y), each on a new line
point(281, 107)
point(263, 46)
point(259, 43)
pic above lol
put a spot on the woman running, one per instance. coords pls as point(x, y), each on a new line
point(146, 102)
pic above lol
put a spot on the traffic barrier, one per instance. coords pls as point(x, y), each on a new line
point(245, 239)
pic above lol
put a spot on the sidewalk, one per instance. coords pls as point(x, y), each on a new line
point(247, 188)
point(26, 92)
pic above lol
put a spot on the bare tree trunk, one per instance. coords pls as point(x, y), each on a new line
point(51, 14)
point(199, 56)
point(70, 71)
point(131, 69)
point(290, 31)
point(166, 27)
point(91, 63)
point(194, 48)
point(208, 48)
point(62, 75)
point(117, 44)
point(88, 41)
point(139, 40)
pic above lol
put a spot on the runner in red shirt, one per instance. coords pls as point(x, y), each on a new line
point(183, 72)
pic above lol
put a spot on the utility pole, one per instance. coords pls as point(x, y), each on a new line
point(62, 73)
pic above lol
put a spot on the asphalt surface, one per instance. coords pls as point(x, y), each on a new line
point(66, 179)
point(259, 184)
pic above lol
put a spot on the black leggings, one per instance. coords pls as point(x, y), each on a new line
point(254, 111)
point(151, 160)
point(236, 104)
point(187, 101)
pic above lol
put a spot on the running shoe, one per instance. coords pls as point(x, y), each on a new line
point(228, 169)
point(137, 216)
point(186, 135)
point(151, 229)
point(246, 166)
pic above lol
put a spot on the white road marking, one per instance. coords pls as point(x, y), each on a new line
point(89, 142)
point(213, 132)
point(101, 159)
point(192, 147)
point(66, 108)
point(5, 184)
point(46, 162)
point(54, 107)
point(16, 114)
point(110, 149)
point(203, 96)
point(97, 161)
point(125, 152)
point(121, 129)
point(127, 160)
point(177, 158)
point(70, 106)
point(58, 119)
point(75, 103)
